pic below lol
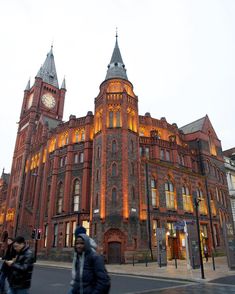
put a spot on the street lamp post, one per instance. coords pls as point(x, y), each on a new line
point(148, 211)
point(196, 203)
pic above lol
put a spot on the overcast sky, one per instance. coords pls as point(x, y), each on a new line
point(179, 55)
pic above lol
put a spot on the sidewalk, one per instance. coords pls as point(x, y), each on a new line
point(169, 272)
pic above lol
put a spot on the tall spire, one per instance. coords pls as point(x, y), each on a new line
point(63, 86)
point(48, 71)
point(116, 67)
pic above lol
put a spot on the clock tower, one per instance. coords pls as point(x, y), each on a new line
point(43, 101)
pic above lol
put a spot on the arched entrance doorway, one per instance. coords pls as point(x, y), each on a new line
point(114, 244)
point(114, 252)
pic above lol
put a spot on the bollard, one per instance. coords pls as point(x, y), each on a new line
point(160, 260)
point(146, 260)
point(175, 262)
point(213, 259)
point(133, 260)
point(193, 262)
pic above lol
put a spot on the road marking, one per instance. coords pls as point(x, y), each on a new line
point(220, 284)
point(152, 291)
point(154, 278)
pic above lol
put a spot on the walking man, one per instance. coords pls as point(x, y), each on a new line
point(21, 268)
point(91, 276)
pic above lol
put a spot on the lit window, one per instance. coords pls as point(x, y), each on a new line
point(67, 228)
point(202, 202)
point(154, 192)
point(170, 195)
point(60, 195)
point(76, 195)
point(55, 237)
point(81, 157)
point(187, 199)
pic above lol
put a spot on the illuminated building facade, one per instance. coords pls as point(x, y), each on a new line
point(118, 173)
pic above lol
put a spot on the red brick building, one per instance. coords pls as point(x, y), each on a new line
point(118, 173)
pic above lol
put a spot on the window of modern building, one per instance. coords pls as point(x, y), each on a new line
point(55, 236)
point(187, 199)
point(76, 195)
point(170, 195)
point(60, 195)
point(67, 229)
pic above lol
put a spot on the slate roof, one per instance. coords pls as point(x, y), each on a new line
point(51, 122)
point(48, 71)
point(116, 67)
point(193, 126)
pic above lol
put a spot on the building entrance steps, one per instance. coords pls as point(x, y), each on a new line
point(169, 272)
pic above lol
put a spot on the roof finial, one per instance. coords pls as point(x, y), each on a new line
point(116, 33)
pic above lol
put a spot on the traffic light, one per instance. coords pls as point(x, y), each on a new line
point(34, 233)
point(38, 237)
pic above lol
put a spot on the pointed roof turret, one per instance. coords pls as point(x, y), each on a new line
point(48, 71)
point(28, 86)
point(116, 67)
point(63, 86)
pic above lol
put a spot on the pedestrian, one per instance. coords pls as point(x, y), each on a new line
point(206, 252)
point(21, 268)
point(91, 276)
point(80, 230)
point(9, 254)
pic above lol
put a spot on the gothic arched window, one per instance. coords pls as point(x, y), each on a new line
point(170, 195)
point(60, 196)
point(114, 196)
point(114, 169)
point(76, 195)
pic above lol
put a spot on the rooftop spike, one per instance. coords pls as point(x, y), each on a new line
point(28, 86)
point(63, 86)
point(48, 71)
point(116, 67)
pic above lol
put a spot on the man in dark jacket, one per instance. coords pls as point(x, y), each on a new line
point(21, 268)
point(91, 276)
point(9, 254)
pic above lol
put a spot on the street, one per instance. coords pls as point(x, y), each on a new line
point(54, 280)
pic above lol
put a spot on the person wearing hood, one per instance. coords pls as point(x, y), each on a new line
point(81, 230)
point(9, 254)
point(21, 268)
point(91, 276)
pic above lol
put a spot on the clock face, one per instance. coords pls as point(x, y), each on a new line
point(48, 100)
point(30, 101)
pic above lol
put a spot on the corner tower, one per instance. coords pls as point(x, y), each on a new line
point(43, 99)
point(115, 184)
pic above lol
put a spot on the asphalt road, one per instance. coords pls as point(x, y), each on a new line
point(49, 280)
point(56, 281)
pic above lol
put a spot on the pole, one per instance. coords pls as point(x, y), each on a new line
point(196, 202)
point(36, 249)
point(148, 210)
point(208, 203)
